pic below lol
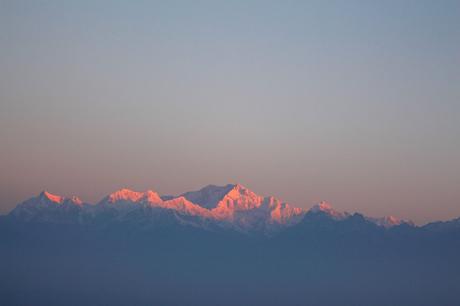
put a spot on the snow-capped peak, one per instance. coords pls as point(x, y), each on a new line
point(125, 194)
point(388, 221)
point(46, 196)
point(209, 196)
point(44, 205)
point(238, 191)
point(326, 208)
point(322, 206)
point(239, 205)
point(128, 195)
point(152, 197)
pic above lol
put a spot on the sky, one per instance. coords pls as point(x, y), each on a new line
point(353, 102)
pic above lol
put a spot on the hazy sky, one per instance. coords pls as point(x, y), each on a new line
point(355, 103)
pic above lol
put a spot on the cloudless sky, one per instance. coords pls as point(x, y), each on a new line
point(352, 102)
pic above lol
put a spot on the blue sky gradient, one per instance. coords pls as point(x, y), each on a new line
point(352, 102)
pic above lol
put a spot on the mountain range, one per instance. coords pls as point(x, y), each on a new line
point(231, 207)
point(220, 245)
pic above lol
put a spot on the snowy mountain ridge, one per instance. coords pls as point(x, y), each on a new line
point(231, 206)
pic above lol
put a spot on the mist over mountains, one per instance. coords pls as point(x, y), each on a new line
point(220, 245)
